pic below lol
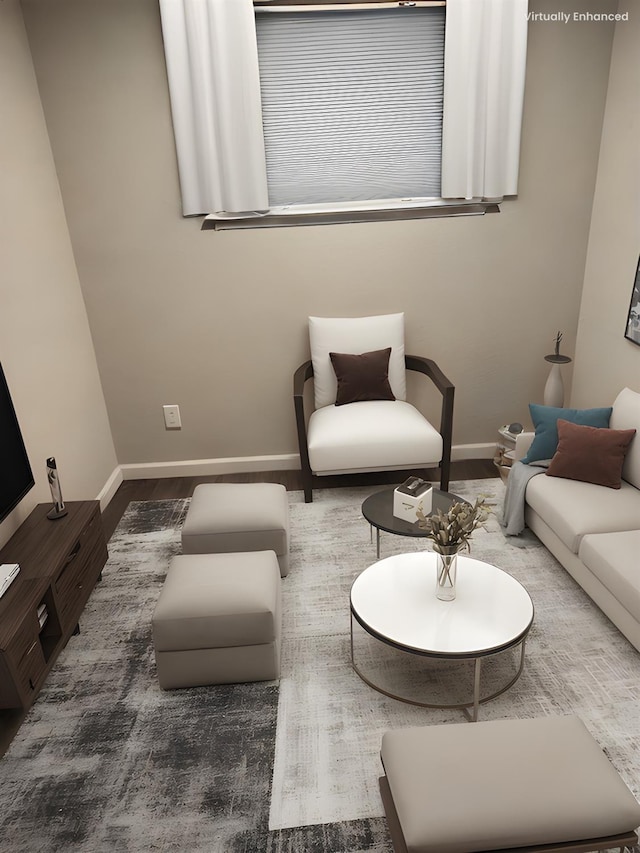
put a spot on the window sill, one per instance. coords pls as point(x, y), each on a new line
point(284, 218)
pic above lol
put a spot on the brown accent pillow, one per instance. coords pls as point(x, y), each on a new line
point(590, 454)
point(362, 377)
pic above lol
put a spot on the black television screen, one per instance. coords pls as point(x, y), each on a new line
point(16, 477)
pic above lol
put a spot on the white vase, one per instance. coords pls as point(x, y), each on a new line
point(446, 572)
point(554, 389)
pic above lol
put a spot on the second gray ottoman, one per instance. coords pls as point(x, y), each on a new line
point(218, 620)
point(227, 517)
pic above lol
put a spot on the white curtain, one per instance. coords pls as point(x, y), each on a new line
point(485, 60)
point(214, 84)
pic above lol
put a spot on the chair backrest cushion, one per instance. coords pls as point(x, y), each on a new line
point(355, 335)
point(626, 415)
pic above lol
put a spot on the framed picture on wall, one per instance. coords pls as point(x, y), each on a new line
point(633, 320)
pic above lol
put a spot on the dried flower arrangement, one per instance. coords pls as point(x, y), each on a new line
point(454, 528)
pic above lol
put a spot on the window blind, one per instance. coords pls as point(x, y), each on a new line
point(352, 104)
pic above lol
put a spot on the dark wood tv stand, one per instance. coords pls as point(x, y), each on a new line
point(60, 563)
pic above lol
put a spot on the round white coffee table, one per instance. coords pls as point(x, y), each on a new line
point(394, 601)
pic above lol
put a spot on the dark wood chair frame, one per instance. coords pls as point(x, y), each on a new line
point(412, 362)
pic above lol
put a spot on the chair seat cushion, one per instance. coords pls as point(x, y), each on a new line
point(374, 435)
point(504, 784)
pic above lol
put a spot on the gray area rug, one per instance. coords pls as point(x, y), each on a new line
point(107, 761)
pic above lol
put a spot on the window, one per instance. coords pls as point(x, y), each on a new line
point(287, 111)
point(352, 104)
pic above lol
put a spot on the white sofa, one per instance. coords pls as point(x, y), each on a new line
point(594, 531)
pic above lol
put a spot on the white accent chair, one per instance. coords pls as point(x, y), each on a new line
point(370, 435)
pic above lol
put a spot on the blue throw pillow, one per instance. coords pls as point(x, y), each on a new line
point(545, 421)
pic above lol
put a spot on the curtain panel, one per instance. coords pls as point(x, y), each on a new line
point(484, 71)
point(214, 86)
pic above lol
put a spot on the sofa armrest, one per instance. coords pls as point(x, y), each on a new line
point(523, 443)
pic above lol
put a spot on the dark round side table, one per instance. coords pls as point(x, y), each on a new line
point(378, 510)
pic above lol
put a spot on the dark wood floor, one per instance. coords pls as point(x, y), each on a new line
point(182, 487)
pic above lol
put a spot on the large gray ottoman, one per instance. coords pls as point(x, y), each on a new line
point(504, 785)
point(228, 517)
point(218, 620)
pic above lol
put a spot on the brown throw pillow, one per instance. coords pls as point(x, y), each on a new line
point(590, 454)
point(362, 377)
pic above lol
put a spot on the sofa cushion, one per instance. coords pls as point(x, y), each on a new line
point(626, 415)
point(572, 508)
point(362, 377)
point(355, 335)
point(613, 559)
point(376, 435)
point(545, 419)
point(503, 784)
point(590, 454)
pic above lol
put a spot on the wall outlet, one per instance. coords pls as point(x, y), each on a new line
point(172, 417)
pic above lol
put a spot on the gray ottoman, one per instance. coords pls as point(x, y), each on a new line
point(504, 784)
point(228, 517)
point(218, 620)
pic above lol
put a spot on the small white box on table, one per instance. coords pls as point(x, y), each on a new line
point(412, 494)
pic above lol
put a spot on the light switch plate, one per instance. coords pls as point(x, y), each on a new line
point(172, 417)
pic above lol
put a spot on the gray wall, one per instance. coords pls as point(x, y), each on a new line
point(216, 322)
point(605, 361)
point(45, 344)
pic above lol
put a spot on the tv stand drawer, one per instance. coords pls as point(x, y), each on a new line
point(32, 668)
point(60, 562)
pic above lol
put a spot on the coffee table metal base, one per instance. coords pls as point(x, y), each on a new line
point(429, 641)
point(470, 709)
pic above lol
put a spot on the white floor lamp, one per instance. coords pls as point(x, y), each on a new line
point(554, 389)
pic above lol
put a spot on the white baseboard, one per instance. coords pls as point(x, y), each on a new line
point(204, 467)
point(110, 488)
point(473, 451)
point(240, 464)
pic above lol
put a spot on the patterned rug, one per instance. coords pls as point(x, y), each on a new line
point(107, 761)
